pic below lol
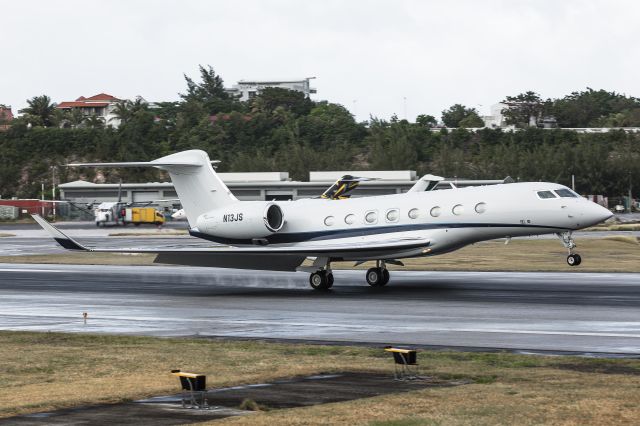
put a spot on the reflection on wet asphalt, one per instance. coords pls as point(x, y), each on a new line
point(530, 311)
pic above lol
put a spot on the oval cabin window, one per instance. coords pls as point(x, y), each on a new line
point(414, 213)
point(436, 211)
point(393, 215)
point(457, 209)
point(371, 217)
point(350, 219)
point(329, 220)
point(481, 208)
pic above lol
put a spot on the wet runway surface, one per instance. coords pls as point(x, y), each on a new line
point(586, 313)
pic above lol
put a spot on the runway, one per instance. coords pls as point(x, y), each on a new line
point(581, 312)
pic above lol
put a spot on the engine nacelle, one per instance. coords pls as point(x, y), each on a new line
point(244, 219)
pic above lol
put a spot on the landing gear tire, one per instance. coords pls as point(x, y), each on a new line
point(574, 260)
point(377, 277)
point(385, 277)
point(321, 280)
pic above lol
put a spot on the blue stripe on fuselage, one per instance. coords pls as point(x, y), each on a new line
point(299, 237)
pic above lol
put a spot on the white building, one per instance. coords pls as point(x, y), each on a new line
point(495, 119)
point(248, 89)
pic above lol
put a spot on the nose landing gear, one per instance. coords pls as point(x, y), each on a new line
point(573, 259)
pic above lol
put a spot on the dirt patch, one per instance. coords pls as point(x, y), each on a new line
point(226, 402)
point(601, 368)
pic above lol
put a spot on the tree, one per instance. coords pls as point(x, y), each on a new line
point(211, 87)
point(207, 97)
point(524, 110)
point(426, 120)
point(122, 111)
point(472, 120)
point(40, 110)
point(272, 97)
point(94, 122)
point(456, 113)
point(584, 109)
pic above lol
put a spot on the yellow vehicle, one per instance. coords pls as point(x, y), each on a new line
point(138, 215)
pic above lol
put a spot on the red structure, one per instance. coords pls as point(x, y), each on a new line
point(5, 117)
point(94, 105)
point(28, 207)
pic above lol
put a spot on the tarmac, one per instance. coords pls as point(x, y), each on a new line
point(584, 313)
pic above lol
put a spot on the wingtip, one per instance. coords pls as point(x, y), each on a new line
point(62, 239)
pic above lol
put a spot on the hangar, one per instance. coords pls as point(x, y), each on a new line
point(259, 186)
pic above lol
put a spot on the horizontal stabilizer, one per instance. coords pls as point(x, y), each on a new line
point(159, 164)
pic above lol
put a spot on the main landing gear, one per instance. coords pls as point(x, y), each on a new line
point(322, 277)
point(321, 280)
point(378, 276)
point(573, 259)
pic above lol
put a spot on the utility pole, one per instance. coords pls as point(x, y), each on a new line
point(630, 195)
point(53, 190)
point(42, 200)
point(573, 182)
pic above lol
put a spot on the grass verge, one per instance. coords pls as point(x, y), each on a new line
point(4, 234)
point(45, 371)
point(609, 254)
point(615, 227)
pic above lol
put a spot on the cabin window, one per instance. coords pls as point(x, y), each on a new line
point(393, 215)
point(566, 193)
point(371, 217)
point(546, 194)
point(481, 208)
point(350, 219)
point(457, 209)
point(436, 211)
point(413, 213)
point(329, 220)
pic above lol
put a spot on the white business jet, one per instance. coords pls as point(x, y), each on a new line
point(270, 235)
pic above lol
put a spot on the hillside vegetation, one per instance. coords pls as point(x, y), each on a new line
point(281, 130)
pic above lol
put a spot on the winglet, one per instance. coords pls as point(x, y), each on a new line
point(59, 236)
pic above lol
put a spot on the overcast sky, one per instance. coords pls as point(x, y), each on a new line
point(367, 55)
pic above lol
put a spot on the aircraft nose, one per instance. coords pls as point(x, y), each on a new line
point(595, 213)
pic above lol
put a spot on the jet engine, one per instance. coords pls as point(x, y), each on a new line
point(244, 219)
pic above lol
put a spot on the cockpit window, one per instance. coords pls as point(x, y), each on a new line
point(566, 193)
point(546, 194)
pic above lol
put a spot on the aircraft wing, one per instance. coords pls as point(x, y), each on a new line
point(252, 257)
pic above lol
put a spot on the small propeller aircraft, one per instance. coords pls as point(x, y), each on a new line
point(270, 235)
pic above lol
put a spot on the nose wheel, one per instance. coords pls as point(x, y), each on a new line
point(573, 259)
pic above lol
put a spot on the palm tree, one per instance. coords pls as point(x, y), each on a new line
point(94, 122)
point(122, 111)
point(40, 110)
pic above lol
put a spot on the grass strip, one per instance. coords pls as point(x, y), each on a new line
point(46, 371)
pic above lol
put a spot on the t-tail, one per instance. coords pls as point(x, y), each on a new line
point(198, 186)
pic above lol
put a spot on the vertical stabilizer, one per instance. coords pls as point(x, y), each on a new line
point(199, 187)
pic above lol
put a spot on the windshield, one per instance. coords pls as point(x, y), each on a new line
point(566, 193)
point(546, 194)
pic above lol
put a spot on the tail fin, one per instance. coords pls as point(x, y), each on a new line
point(198, 186)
